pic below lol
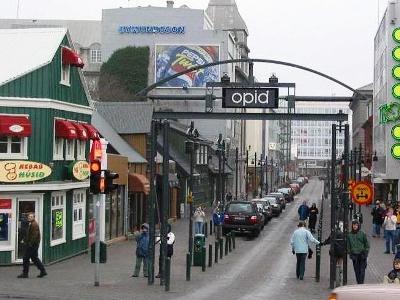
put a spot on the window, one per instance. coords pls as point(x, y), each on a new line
point(80, 150)
point(95, 56)
point(57, 234)
point(79, 214)
point(58, 149)
point(69, 149)
point(13, 147)
point(65, 74)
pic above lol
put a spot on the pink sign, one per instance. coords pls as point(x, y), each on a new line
point(92, 231)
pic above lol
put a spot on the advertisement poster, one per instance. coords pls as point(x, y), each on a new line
point(173, 59)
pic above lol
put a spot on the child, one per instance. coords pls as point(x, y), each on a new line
point(142, 250)
point(394, 275)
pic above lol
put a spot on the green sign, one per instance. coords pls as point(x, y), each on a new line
point(389, 112)
point(59, 219)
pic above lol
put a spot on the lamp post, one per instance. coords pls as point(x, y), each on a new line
point(272, 174)
point(236, 172)
point(247, 173)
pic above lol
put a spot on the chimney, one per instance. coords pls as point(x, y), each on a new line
point(170, 4)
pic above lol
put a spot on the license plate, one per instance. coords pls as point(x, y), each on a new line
point(239, 218)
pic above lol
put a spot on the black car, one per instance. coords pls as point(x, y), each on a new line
point(265, 207)
point(280, 198)
point(243, 216)
point(275, 205)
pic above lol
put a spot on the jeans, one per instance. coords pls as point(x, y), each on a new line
point(198, 227)
point(300, 265)
point(359, 264)
point(31, 253)
point(389, 236)
point(376, 229)
point(139, 260)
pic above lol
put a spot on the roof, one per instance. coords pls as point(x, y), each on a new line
point(115, 140)
point(127, 117)
point(15, 58)
point(368, 87)
point(85, 38)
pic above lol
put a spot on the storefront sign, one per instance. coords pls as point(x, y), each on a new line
point(22, 171)
point(250, 97)
point(164, 29)
point(5, 203)
point(389, 112)
point(362, 192)
point(80, 170)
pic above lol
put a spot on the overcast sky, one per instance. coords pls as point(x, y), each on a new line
point(332, 36)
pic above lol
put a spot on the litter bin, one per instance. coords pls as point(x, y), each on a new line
point(103, 252)
point(199, 242)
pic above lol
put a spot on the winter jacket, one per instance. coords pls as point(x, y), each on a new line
point(339, 245)
point(300, 240)
point(218, 218)
point(33, 235)
point(304, 212)
point(377, 215)
point(390, 223)
point(394, 274)
point(199, 216)
point(357, 243)
point(142, 248)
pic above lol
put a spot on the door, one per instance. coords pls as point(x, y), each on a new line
point(24, 207)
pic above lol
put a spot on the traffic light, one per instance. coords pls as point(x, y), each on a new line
point(96, 182)
point(109, 185)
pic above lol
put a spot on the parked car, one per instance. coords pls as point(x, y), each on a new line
point(280, 197)
point(295, 187)
point(265, 206)
point(275, 205)
point(306, 179)
point(366, 292)
point(243, 216)
point(288, 193)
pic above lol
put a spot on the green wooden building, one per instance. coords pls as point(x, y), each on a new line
point(44, 143)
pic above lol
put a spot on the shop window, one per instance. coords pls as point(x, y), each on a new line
point(65, 74)
point(79, 214)
point(5, 228)
point(80, 150)
point(58, 149)
point(13, 147)
point(69, 150)
point(57, 234)
point(95, 56)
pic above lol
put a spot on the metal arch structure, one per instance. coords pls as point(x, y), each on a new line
point(146, 90)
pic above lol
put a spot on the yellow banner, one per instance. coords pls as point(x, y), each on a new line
point(14, 171)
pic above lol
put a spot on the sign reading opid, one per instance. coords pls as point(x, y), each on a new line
point(250, 97)
point(22, 171)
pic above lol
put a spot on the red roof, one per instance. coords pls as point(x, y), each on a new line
point(65, 129)
point(82, 133)
point(11, 125)
point(70, 57)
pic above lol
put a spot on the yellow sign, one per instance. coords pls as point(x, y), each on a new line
point(190, 198)
point(80, 170)
point(362, 193)
point(22, 171)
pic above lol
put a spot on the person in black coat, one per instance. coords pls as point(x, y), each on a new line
point(313, 217)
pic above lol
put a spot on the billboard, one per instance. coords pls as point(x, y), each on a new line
point(173, 59)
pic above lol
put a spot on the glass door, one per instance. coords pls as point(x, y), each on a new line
point(24, 207)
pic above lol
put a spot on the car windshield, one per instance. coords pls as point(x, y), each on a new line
point(272, 200)
point(239, 207)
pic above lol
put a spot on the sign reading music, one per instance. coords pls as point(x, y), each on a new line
point(250, 97)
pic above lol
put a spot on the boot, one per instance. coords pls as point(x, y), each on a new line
point(23, 275)
point(42, 274)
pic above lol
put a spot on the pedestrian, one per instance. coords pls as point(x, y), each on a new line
point(300, 244)
point(312, 220)
point(394, 275)
point(218, 220)
point(397, 237)
point(31, 244)
point(389, 225)
point(304, 211)
point(357, 248)
point(377, 219)
point(228, 197)
point(170, 246)
point(339, 248)
point(142, 250)
point(199, 218)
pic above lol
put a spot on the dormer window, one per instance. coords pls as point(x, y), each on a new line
point(69, 58)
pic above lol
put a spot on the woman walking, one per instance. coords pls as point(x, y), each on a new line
point(389, 225)
point(313, 217)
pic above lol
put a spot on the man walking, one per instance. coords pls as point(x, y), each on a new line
point(31, 242)
point(299, 242)
point(303, 211)
point(377, 219)
point(358, 247)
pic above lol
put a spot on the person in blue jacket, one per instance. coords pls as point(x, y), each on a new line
point(304, 211)
point(218, 220)
point(142, 250)
point(300, 241)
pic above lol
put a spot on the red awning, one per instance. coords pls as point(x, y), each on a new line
point(65, 129)
point(70, 57)
point(138, 183)
point(82, 133)
point(19, 126)
point(92, 132)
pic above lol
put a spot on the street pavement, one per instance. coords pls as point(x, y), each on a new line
point(260, 268)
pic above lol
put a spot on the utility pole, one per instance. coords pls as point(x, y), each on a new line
point(255, 175)
point(261, 175)
point(236, 172)
point(223, 173)
point(266, 174)
point(333, 211)
point(272, 174)
point(247, 174)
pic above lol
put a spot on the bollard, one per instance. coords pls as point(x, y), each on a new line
point(205, 229)
point(167, 273)
point(226, 245)
point(233, 239)
point(221, 248)
point(203, 258)
point(318, 263)
point(230, 242)
point(216, 252)
point(211, 227)
point(188, 264)
point(210, 256)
